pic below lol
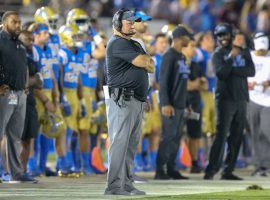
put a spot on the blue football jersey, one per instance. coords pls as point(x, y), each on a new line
point(54, 44)
point(203, 58)
point(45, 61)
point(89, 75)
point(73, 65)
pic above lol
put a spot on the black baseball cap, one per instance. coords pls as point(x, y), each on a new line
point(180, 31)
point(223, 28)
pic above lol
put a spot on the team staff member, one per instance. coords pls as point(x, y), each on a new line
point(127, 79)
point(233, 65)
point(196, 83)
point(13, 73)
point(174, 74)
point(35, 81)
point(259, 106)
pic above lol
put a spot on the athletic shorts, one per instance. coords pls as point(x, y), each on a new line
point(73, 100)
point(31, 123)
point(194, 126)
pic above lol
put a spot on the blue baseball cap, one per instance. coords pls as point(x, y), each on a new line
point(144, 17)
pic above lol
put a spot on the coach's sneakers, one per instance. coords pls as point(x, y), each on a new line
point(230, 176)
point(5, 177)
point(133, 190)
point(117, 191)
point(195, 169)
point(176, 175)
point(208, 176)
point(138, 179)
point(259, 172)
point(161, 175)
point(23, 178)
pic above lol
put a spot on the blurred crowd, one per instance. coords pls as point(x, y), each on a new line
point(250, 15)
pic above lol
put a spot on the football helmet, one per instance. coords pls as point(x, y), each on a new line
point(167, 29)
point(78, 17)
point(71, 36)
point(48, 16)
point(52, 125)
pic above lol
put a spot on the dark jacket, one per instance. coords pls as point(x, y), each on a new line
point(232, 74)
point(173, 75)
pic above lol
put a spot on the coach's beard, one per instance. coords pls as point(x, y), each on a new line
point(128, 34)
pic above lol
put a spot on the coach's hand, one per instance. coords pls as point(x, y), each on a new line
point(4, 89)
point(150, 67)
point(167, 111)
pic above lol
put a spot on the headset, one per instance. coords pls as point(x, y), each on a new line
point(117, 19)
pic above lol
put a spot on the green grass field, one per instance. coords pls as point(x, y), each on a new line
point(239, 195)
point(92, 187)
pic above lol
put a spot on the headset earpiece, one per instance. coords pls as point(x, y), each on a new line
point(117, 21)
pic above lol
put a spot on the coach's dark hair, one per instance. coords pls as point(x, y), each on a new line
point(7, 14)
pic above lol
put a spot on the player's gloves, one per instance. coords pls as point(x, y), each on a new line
point(95, 35)
point(65, 106)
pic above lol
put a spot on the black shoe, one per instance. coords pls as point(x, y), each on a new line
point(49, 172)
point(259, 172)
point(23, 178)
point(177, 175)
point(195, 170)
point(230, 176)
point(117, 192)
point(133, 190)
point(208, 176)
point(161, 175)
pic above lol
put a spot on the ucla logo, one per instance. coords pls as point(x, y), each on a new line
point(92, 73)
point(46, 72)
point(93, 64)
point(183, 69)
point(239, 61)
point(71, 77)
